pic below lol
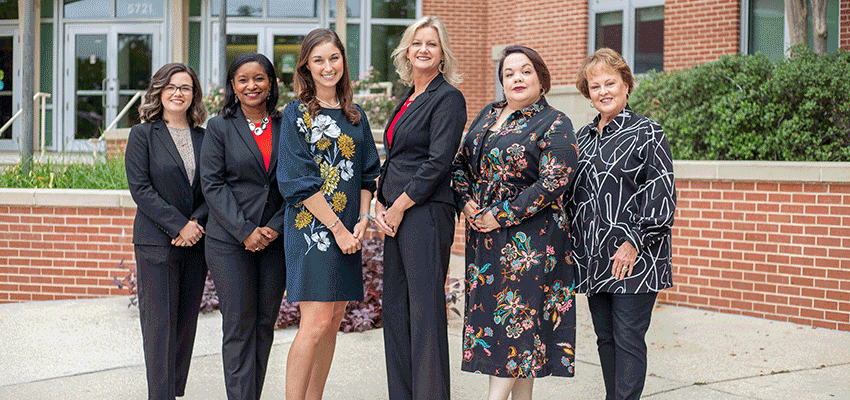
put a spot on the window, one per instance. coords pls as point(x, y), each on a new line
point(634, 28)
point(765, 28)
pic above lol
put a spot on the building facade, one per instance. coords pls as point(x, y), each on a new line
point(92, 56)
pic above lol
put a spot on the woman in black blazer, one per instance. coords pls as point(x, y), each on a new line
point(416, 210)
point(245, 256)
point(170, 214)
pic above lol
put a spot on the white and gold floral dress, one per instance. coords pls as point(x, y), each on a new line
point(328, 154)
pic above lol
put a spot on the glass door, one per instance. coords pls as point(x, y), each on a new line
point(106, 66)
point(280, 43)
point(10, 95)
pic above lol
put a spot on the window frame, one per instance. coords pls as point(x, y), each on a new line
point(627, 7)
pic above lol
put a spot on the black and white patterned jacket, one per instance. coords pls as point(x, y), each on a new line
point(624, 190)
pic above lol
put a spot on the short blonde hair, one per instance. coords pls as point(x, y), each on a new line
point(606, 58)
point(405, 69)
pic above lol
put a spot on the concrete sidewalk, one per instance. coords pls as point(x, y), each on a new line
point(92, 349)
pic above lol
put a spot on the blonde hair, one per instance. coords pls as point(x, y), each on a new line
point(606, 58)
point(399, 56)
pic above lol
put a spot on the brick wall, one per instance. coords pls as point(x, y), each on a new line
point(698, 31)
point(771, 250)
point(67, 250)
point(465, 22)
point(746, 241)
point(844, 24)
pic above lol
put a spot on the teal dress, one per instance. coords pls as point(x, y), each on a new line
point(325, 154)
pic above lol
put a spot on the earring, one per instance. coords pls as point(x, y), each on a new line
point(237, 99)
point(591, 105)
point(442, 67)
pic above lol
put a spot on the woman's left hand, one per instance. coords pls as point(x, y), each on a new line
point(360, 229)
point(624, 261)
point(485, 222)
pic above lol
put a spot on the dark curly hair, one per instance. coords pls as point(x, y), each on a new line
point(151, 108)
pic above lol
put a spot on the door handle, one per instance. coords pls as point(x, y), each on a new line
point(103, 97)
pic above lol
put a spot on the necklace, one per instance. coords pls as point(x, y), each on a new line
point(329, 104)
point(253, 128)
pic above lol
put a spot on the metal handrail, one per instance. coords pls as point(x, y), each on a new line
point(43, 96)
point(121, 114)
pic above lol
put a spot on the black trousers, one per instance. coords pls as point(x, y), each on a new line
point(621, 322)
point(170, 281)
point(250, 288)
point(416, 262)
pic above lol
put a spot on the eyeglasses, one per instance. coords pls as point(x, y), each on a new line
point(185, 89)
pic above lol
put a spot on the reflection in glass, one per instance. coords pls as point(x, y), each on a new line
point(135, 59)
point(352, 8)
point(649, 39)
point(394, 9)
point(609, 31)
point(293, 8)
point(8, 10)
point(385, 39)
point(90, 117)
point(767, 28)
point(6, 52)
point(238, 44)
point(90, 54)
point(87, 9)
point(239, 8)
point(286, 50)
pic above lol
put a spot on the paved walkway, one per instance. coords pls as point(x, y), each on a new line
point(91, 349)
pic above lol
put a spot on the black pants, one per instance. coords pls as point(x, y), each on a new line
point(250, 287)
point(170, 281)
point(416, 262)
point(621, 322)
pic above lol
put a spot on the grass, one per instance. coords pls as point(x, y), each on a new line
point(103, 173)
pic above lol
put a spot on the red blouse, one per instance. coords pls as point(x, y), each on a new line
point(392, 125)
point(264, 141)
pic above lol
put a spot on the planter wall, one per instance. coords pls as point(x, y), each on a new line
point(769, 240)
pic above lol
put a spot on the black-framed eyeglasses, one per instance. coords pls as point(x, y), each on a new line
point(185, 89)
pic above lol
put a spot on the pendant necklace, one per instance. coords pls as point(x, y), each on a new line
point(258, 131)
point(328, 104)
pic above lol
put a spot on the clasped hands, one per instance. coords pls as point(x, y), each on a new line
point(191, 233)
point(388, 219)
point(480, 221)
point(260, 238)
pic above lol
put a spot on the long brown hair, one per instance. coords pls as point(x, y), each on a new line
point(305, 87)
point(151, 108)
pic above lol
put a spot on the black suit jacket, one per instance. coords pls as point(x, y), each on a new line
point(425, 140)
point(241, 194)
point(165, 199)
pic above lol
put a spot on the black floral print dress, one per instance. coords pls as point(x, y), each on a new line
point(520, 316)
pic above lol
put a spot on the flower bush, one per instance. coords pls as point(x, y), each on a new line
point(377, 106)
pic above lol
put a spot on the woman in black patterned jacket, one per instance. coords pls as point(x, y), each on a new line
point(622, 214)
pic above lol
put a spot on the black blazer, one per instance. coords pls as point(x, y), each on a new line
point(165, 199)
point(425, 140)
point(241, 194)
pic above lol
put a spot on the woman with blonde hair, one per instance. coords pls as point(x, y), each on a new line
point(416, 209)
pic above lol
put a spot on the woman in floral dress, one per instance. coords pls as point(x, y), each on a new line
point(511, 173)
point(327, 170)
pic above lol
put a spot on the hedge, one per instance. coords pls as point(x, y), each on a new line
point(743, 107)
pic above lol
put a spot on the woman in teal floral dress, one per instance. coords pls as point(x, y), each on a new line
point(511, 175)
point(327, 170)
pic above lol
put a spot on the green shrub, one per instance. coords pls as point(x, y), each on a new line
point(744, 107)
point(106, 173)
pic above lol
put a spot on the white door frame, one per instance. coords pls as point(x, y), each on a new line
point(14, 143)
point(111, 90)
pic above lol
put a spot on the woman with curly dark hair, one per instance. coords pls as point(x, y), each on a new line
point(168, 230)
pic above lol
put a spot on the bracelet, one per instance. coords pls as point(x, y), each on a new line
point(334, 224)
point(367, 215)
